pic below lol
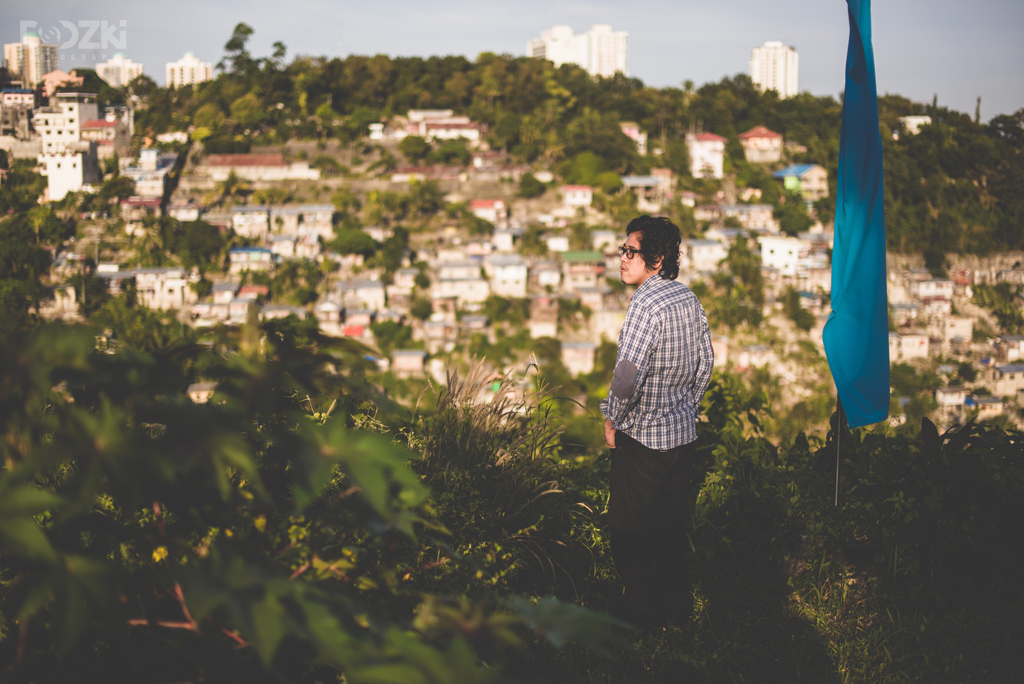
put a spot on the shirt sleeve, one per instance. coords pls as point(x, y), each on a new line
point(637, 342)
point(706, 362)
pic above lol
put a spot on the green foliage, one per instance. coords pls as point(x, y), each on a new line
point(414, 148)
point(354, 241)
point(530, 187)
point(391, 335)
point(801, 317)
point(421, 308)
point(792, 215)
point(999, 299)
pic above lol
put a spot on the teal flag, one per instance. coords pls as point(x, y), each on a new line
point(856, 335)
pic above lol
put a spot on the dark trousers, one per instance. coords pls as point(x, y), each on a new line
point(648, 516)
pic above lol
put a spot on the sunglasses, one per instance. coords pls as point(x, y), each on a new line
point(628, 252)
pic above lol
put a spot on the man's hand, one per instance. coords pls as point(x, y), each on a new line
point(609, 433)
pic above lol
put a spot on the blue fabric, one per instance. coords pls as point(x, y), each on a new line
point(856, 335)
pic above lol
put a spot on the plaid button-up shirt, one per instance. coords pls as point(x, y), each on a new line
point(663, 366)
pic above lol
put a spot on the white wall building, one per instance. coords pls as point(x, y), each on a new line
point(601, 51)
point(31, 59)
point(507, 273)
point(577, 195)
point(60, 124)
point(774, 66)
point(702, 255)
point(707, 155)
point(188, 70)
point(788, 255)
point(164, 288)
point(69, 168)
point(118, 71)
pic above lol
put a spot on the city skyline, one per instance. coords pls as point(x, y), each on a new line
point(923, 49)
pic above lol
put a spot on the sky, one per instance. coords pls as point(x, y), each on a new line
point(952, 49)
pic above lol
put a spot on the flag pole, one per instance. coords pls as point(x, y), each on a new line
point(839, 432)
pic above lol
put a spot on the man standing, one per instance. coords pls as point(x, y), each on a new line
point(663, 367)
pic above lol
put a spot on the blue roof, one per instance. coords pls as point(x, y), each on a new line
point(20, 91)
point(794, 170)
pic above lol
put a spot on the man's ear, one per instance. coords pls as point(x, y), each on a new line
point(656, 266)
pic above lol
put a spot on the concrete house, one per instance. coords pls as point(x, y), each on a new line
point(707, 155)
point(810, 180)
point(761, 145)
point(582, 269)
point(507, 273)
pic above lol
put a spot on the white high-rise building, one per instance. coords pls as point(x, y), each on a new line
point(118, 71)
point(775, 66)
point(601, 51)
point(188, 71)
point(31, 59)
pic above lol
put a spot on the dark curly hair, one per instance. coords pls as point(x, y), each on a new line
point(658, 237)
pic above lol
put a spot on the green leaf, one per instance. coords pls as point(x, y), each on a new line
point(268, 624)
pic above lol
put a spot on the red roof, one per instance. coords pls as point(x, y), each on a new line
point(99, 123)
point(254, 289)
point(708, 137)
point(245, 160)
point(581, 188)
point(759, 132)
point(352, 331)
point(486, 204)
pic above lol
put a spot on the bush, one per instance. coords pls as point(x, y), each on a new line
point(530, 187)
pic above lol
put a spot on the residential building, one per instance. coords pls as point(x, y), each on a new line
point(761, 145)
point(720, 348)
point(788, 255)
point(458, 270)
point(189, 70)
point(774, 66)
point(19, 97)
point(652, 192)
point(111, 137)
point(30, 60)
point(69, 169)
point(493, 210)
point(149, 172)
point(118, 71)
point(752, 216)
point(950, 396)
point(605, 240)
point(810, 180)
point(462, 290)
point(60, 124)
point(600, 51)
point(367, 295)
point(582, 269)
point(544, 317)
point(546, 274)
point(578, 357)
point(575, 196)
point(507, 273)
point(250, 259)
point(702, 255)
point(407, 362)
point(1007, 380)
point(1009, 348)
point(252, 221)
point(311, 218)
point(258, 167)
point(930, 288)
point(988, 407)
point(912, 124)
point(507, 239)
point(707, 155)
point(557, 243)
point(909, 345)
point(164, 288)
point(437, 124)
